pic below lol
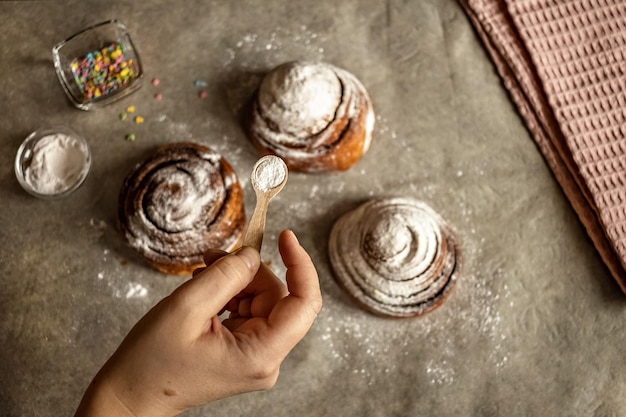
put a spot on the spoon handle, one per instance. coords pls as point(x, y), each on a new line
point(256, 227)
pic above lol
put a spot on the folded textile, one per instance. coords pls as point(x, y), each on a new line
point(564, 65)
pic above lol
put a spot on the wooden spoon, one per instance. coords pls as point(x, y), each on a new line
point(268, 177)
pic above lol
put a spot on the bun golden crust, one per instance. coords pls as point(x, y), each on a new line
point(177, 203)
point(315, 116)
point(395, 257)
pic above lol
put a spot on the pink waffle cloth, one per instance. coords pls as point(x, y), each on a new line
point(564, 65)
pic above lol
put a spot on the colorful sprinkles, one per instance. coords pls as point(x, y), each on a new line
point(103, 71)
point(127, 113)
point(137, 119)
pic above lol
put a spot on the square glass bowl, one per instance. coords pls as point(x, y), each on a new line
point(53, 162)
point(98, 65)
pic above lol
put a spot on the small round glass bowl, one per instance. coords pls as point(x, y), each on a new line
point(52, 163)
point(98, 65)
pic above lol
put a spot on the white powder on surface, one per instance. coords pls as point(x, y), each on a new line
point(279, 45)
point(136, 291)
point(58, 162)
point(270, 173)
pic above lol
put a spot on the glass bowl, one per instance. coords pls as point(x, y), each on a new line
point(52, 163)
point(98, 65)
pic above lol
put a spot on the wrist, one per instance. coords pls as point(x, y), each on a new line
point(103, 398)
point(100, 400)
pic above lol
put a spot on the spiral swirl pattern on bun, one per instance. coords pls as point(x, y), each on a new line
point(180, 201)
point(315, 116)
point(395, 257)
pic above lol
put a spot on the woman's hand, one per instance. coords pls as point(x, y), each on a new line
point(181, 355)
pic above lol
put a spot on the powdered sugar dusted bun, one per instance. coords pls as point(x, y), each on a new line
point(395, 257)
point(315, 116)
point(177, 203)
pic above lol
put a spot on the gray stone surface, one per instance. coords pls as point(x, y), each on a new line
point(533, 327)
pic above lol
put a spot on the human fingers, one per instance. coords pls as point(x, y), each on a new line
point(212, 255)
point(293, 315)
point(264, 281)
point(265, 291)
point(234, 323)
point(301, 276)
point(211, 289)
point(259, 297)
point(209, 256)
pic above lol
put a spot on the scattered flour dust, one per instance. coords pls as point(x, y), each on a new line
point(400, 339)
point(119, 286)
point(383, 129)
point(439, 373)
point(136, 290)
point(279, 43)
point(129, 290)
point(246, 59)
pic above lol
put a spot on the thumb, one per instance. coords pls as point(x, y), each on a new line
point(210, 290)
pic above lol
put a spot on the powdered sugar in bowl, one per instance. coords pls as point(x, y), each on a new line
point(53, 162)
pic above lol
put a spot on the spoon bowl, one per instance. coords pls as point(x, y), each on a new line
point(268, 177)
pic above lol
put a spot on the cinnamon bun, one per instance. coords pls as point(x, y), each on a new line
point(315, 116)
point(180, 201)
point(396, 257)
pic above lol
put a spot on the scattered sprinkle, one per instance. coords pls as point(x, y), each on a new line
point(156, 82)
point(158, 96)
point(203, 94)
point(200, 83)
point(130, 109)
point(138, 119)
point(130, 137)
point(123, 116)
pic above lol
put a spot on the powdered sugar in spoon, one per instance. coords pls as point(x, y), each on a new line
point(268, 177)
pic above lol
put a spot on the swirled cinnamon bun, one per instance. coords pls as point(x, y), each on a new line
point(315, 116)
point(180, 201)
point(395, 257)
